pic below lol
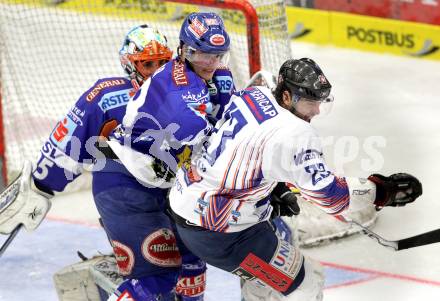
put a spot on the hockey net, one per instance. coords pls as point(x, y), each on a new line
point(51, 51)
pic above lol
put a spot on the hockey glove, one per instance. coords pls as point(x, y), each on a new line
point(283, 201)
point(23, 203)
point(398, 189)
point(162, 170)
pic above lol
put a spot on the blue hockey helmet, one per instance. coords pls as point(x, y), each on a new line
point(205, 32)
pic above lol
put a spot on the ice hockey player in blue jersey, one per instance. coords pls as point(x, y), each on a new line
point(221, 202)
point(141, 253)
point(171, 112)
point(176, 106)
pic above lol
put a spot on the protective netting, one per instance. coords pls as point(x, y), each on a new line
point(51, 51)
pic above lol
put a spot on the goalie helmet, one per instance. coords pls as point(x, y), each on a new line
point(205, 32)
point(304, 78)
point(143, 51)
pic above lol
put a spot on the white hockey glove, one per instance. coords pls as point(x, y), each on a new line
point(23, 203)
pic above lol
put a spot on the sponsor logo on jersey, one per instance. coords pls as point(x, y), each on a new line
point(160, 248)
point(259, 104)
point(217, 40)
point(63, 132)
point(179, 75)
point(76, 114)
point(114, 100)
point(306, 155)
point(198, 98)
point(224, 83)
point(191, 286)
point(197, 28)
point(101, 86)
point(124, 257)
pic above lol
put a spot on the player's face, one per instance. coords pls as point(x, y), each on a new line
point(147, 68)
point(205, 64)
point(307, 109)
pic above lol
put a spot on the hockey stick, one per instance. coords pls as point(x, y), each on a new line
point(405, 243)
point(10, 239)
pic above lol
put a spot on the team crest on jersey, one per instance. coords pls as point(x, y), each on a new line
point(235, 215)
point(201, 206)
point(160, 248)
point(124, 257)
point(101, 86)
point(180, 77)
point(259, 104)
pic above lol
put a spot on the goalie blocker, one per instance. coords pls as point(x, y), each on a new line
point(22, 203)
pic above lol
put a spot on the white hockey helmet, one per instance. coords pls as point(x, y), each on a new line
point(143, 51)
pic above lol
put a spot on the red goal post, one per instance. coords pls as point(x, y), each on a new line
point(52, 51)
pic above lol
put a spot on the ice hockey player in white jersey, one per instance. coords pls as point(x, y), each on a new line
point(221, 202)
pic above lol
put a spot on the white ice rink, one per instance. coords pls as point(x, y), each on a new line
point(386, 118)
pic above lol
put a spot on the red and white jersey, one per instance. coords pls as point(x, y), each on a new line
point(256, 144)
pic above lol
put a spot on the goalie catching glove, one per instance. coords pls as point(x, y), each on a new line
point(396, 190)
point(23, 203)
point(283, 201)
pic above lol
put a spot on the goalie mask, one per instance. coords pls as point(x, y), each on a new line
point(308, 86)
point(144, 50)
point(204, 41)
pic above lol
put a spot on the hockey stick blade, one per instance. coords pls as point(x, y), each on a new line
point(379, 239)
point(10, 238)
point(418, 240)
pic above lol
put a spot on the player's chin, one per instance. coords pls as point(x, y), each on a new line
point(207, 74)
